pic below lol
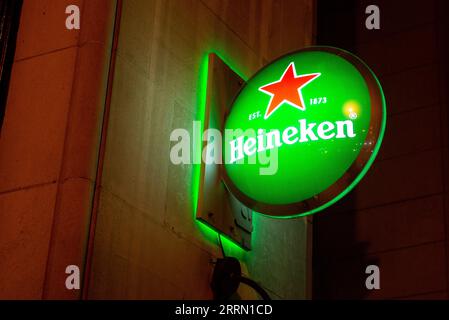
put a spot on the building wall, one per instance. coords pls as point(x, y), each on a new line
point(147, 244)
point(397, 216)
point(49, 145)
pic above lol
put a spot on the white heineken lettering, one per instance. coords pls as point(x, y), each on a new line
point(288, 134)
point(291, 135)
point(324, 128)
point(306, 130)
point(250, 146)
point(273, 139)
point(236, 147)
point(341, 129)
point(260, 140)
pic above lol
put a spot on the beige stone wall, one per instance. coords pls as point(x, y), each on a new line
point(49, 145)
point(147, 244)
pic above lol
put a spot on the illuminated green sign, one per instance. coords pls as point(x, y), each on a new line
point(303, 131)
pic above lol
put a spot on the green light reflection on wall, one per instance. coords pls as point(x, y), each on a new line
point(231, 247)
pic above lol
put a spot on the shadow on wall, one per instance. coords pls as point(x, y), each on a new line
point(337, 271)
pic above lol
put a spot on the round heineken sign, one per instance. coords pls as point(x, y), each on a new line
point(303, 131)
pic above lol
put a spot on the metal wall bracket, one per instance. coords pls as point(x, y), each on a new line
point(216, 205)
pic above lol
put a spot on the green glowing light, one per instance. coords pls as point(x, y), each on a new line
point(201, 104)
point(321, 112)
point(230, 247)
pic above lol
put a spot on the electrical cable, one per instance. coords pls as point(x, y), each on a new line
point(221, 246)
point(253, 284)
point(249, 282)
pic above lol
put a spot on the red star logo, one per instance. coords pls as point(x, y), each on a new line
point(287, 89)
